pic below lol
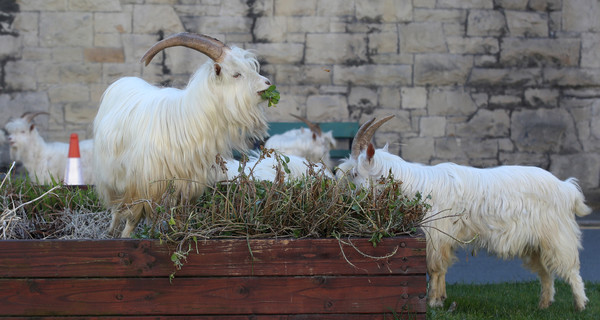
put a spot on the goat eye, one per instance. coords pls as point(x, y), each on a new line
point(237, 75)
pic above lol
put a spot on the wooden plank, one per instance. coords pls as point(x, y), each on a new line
point(205, 296)
point(377, 316)
point(266, 257)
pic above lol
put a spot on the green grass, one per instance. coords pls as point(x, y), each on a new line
point(514, 301)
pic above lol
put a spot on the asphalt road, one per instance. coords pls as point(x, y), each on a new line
point(489, 269)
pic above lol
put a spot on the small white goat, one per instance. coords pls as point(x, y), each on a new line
point(511, 211)
point(313, 145)
point(41, 159)
point(146, 136)
point(268, 167)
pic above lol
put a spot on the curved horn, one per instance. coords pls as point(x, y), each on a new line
point(210, 46)
point(312, 126)
point(356, 147)
point(365, 133)
point(30, 115)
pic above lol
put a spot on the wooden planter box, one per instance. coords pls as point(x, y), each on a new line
point(226, 279)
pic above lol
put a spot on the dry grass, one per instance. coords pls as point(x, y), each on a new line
point(314, 206)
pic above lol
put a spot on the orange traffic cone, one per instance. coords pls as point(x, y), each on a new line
point(73, 176)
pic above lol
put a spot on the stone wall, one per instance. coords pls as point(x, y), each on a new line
point(478, 82)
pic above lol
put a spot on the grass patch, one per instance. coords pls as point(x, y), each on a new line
point(513, 301)
point(314, 206)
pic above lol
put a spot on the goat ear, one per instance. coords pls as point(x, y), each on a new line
point(370, 151)
point(217, 69)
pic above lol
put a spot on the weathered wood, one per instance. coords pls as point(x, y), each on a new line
point(366, 316)
point(262, 279)
point(150, 258)
point(239, 295)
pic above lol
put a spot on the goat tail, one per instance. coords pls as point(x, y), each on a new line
point(580, 208)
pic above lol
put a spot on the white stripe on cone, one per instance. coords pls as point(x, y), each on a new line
point(73, 174)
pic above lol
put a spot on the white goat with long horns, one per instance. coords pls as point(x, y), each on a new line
point(511, 211)
point(43, 160)
point(148, 138)
point(313, 144)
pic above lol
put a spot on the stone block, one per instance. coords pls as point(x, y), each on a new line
point(303, 25)
point(581, 15)
point(107, 40)
point(286, 74)
point(20, 75)
point(95, 5)
point(295, 8)
point(512, 4)
point(150, 19)
point(336, 48)
point(440, 15)
point(442, 69)
point(590, 50)
point(432, 127)
point(43, 5)
point(414, 98)
point(505, 101)
point(422, 37)
point(335, 8)
point(545, 5)
point(527, 24)
point(66, 54)
point(10, 47)
point(279, 53)
point(80, 113)
point(381, 43)
point(524, 159)
point(270, 29)
point(15, 104)
point(114, 22)
point(69, 93)
point(369, 75)
point(584, 167)
point(466, 4)
point(544, 131)
point(235, 8)
point(384, 10)
point(80, 73)
point(104, 54)
point(486, 23)
point(323, 108)
point(419, 149)
point(505, 77)
point(134, 46)
point(114, 71)
point(362, 100)
point(216, 26)
point(541, 97)
point(450, 102)
point(473, 45)
point(66, 29)
point(484, 124)
point(572, 77)
point(389, 98)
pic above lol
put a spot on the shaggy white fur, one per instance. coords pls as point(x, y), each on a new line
point(147, 137)
point(510, 211)
point(267, 168)
point(304, 143)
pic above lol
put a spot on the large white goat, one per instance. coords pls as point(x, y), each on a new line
point(146, 135)
point(511, 211)
point(268, 167)
point(313, 144)
point(44, 160)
